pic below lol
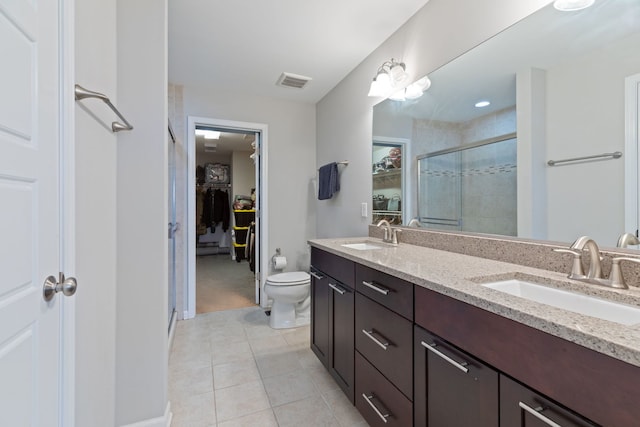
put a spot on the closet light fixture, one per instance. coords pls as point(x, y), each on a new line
point(389, 77)
point(572, 5)
point(481, 104)
point(208, 134)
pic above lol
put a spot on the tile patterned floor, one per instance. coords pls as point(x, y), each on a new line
point(229, 368)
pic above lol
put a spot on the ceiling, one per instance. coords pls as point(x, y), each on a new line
point(244, 46)
point(542, 40)
point(226, 144)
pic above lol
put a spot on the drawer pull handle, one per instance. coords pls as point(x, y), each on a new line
point(316, 275)
point(536, 412)
point(432, 348)
point(384, 414)
point(375, 287)
point(337, 289)
point(384, 344)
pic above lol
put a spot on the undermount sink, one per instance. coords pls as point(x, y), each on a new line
point(361, 246)
point(572, 301)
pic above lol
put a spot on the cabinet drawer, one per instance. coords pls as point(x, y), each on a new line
point(522, 407)
point(335, 266)
point(393, 293)
point(386, 340)
point(379, 402)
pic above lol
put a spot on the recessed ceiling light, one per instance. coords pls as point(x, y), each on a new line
point(481, 104)
point(572, 5)
point(208, 134)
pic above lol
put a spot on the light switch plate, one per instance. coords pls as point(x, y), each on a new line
point(363, 209)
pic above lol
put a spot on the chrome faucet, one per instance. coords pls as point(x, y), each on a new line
point(616, 280)
point(627, 239)
point(390, 234)
point(414, 223)
point(595, 267)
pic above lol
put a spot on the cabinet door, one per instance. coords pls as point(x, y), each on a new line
point(320, 316)
point(522, 407)
point(452, 389)
point(341, 335)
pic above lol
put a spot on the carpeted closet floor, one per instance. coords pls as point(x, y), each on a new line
point(223, 284)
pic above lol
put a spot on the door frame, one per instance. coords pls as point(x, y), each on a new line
point(67, 189)
point(263, 240)
point(407, 168)
point(631, 158)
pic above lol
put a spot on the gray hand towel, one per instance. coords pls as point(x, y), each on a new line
point(328, 182)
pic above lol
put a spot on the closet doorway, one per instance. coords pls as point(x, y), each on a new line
point(225, 201)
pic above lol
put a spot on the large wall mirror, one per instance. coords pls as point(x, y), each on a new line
point(560, 86)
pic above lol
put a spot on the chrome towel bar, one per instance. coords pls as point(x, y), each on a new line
point(614, 155)
point(82, 93)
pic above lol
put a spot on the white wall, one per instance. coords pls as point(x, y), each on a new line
point(95, 225)
point(594, 191)
point(243, 173)
point(439, 32)
point(142, 317)
point(291, 153)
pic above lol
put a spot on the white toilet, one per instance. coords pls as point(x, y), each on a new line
point(291, 299)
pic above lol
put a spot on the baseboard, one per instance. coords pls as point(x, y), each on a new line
point(163, 421)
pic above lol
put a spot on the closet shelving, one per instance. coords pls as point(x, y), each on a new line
point(243, 219)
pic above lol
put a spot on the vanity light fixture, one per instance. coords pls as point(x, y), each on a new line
point(481, 104)
point(572, 5)
point(414, 91)
point(390, 75)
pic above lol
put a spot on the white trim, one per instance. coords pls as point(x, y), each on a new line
point(631, 159)
point(163, 421)
point(67, 209)
point(407, 183)
point(190, 309)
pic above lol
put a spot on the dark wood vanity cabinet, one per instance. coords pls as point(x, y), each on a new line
point(384, 348)
point(332, 316)
point(406, 355)
point(522, 407)
point(452, 388)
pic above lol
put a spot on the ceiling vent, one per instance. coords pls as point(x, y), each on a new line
point(293, 80)
point(210, 147)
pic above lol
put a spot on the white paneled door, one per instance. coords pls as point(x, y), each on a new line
point(30, 349)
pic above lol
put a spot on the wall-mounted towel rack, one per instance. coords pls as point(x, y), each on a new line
point(614, 155)
point(344, 162)
point(82, 93)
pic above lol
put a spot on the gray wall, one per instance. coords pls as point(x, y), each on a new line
point(141, 322)
point(95, 215)
point(291, 162)
point(439, 32)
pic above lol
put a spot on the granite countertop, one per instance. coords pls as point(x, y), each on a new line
point(460, 277)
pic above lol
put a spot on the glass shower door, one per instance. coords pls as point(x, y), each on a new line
point(172, 226)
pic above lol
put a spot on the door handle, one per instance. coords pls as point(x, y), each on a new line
point(52, 286)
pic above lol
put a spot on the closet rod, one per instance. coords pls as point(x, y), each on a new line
point(82, 93)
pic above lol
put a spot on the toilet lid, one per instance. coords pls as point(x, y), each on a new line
point(289, 278)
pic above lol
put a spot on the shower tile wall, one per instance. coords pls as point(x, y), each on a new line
point(477, 186)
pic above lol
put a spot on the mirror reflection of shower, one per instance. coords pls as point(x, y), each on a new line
point(470, 188)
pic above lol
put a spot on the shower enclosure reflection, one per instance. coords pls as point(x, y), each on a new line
point(470, 188)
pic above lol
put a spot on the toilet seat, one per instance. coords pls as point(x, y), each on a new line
point(291, 278)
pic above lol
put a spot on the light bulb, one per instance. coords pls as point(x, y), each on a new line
point(398, 95)
point(572, 5)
